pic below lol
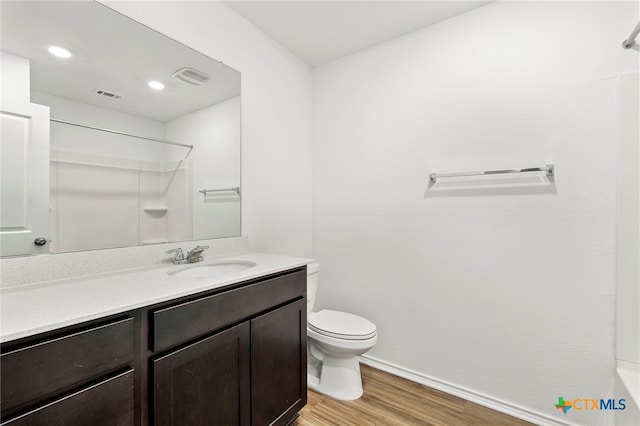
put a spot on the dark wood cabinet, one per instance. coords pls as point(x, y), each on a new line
point(279, 364)
point(253, 373)
point(205, 383)
point(228, 356)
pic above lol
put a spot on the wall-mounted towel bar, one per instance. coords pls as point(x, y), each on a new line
point(548, 169)
point(211, 191)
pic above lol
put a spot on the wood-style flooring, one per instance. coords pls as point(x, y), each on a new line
point(391, 400)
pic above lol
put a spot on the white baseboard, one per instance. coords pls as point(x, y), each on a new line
point(467, 394)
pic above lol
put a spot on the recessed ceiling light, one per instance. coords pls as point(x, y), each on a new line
point(156, 85)
point(60, 52)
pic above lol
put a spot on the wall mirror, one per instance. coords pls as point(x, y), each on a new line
point(144, 132)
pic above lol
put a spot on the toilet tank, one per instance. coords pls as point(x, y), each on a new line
point(313, 272)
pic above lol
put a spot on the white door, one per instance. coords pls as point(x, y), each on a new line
point(24, 179)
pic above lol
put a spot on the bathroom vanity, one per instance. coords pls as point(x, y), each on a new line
point(152, 347)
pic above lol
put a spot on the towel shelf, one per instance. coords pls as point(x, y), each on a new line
point(205, 192)
point(549, 169)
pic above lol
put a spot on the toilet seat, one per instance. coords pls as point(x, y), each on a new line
point(341, 325)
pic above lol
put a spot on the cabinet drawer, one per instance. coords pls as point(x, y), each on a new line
point(33, 372)
point(183, 322)
point(108, 403)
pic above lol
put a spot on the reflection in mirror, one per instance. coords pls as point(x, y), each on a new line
point(114, 182)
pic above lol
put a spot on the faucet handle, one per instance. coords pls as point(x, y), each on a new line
point(179, 256)
point(195, 255)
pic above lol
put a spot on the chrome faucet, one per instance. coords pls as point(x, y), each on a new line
point(195, 255)
point(192, 256)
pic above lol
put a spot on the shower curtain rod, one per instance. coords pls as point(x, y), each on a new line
point(122, 133)
point(631, 40)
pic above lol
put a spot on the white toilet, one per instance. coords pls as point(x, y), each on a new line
point(336, 339)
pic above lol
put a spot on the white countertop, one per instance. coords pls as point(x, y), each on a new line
point(36, 308)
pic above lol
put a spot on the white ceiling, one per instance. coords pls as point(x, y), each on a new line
point(322, 31)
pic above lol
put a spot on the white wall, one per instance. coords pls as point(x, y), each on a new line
point(216, 164)
point(15, 76)
point(504, 289)
point(276, 116)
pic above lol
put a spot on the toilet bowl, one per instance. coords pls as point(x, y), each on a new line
point(335, 340)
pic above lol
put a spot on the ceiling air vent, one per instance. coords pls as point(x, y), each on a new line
point(108, 94)
point(191, 76)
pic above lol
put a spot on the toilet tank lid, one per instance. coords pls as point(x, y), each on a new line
point(313, 267)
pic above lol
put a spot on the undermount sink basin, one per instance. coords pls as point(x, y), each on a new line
point(212, 270)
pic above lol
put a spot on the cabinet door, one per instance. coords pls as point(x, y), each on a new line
point(279, 364)
point(205, 383)
point(24, 178)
